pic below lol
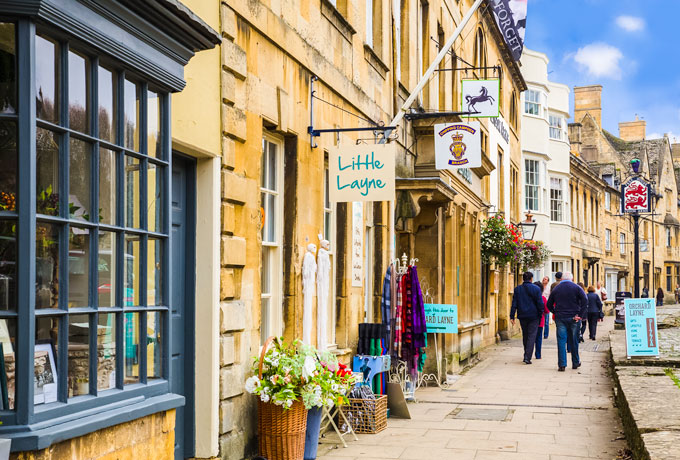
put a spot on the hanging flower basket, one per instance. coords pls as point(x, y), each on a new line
point(499, 242)
point(532, 255)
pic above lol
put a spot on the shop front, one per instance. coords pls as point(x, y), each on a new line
point(85, 224)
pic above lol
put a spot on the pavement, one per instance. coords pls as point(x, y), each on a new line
point(503, 409)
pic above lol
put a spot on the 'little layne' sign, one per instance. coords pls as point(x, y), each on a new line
point(441, 318)
point(361, 172)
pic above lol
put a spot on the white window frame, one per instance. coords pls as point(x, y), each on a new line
point(532, 103)
point(330, 234)
point(622, 243)
point(556, 266)
point(556, 200)
point(273, 325)
point(534, 186)
point(556, 123)
point(607, 201)
point(607, 239)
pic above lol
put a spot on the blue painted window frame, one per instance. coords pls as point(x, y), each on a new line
point(69, 409)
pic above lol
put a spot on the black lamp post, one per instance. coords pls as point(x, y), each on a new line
point(635, 164)
point(528, 227)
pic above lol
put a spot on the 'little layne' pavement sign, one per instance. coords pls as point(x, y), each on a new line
point(641, 330)
point(440, 318)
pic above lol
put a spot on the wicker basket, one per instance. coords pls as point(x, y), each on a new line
point(281, 433)
point(367, 415)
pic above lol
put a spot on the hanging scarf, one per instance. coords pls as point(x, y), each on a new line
point(386, 304)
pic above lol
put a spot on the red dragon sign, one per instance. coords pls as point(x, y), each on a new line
point(635, 194)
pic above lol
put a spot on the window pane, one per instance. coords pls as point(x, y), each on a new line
point(153, 125)
point(264, 319)
point(131, 348)
point(154, 348)
point(8, 334)
point(131, 123)
point(107, 186)
point(47, 171)
point(47, 266)
point(132, 272)
point(154, 272)
point(106, 267)
point(46, 79)
point(271, 169)
point(266, 271)
point(106, 350)
point(78, 92)
point(45, 380)
point(271, 218)
point(80, 164)
point(8, 75)
point(8, 261)
point(78, 355)
point(8, 162)
point(78, 267)
point(155, 198)
point(108, 93)
point(132, 192)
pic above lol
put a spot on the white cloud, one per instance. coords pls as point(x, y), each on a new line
point(600, 60)
point(630, 23)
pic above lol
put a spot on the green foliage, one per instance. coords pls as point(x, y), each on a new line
point(499, 242)
point(532, 254)
point(674, 378)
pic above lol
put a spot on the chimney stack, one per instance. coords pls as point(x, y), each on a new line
point(588, 99)
point(633, 130)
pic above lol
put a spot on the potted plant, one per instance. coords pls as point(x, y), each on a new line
point(289, 380)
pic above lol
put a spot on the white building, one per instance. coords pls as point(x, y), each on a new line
point(545, 160)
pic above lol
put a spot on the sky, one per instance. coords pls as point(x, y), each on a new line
point(630, 47)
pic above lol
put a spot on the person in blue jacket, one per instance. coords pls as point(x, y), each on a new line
point(527, 303)
point(569, 304)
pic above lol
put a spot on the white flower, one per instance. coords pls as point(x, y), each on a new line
point(335, 387)
point(264, 397)
point(289, 403)
point(252, 383)
point(308, 367)
point(278, 402)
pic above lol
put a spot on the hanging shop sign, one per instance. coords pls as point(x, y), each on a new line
point(480, 97)
point(357, 243)
point(362, 172)
point(442, 319)
point(641, 328)
point(511, 17)
point(636, 195)
point(457, 145)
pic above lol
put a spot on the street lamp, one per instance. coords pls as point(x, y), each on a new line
point(528, 227)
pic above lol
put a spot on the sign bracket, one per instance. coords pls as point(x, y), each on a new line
point(377, 128)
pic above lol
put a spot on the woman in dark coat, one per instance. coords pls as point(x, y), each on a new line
point(659, 297)
point(594, 311)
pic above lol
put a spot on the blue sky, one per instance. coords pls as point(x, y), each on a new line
point(630, 47)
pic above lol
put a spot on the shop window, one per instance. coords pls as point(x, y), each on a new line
point(100, 231)
point(531, 184)
point(271, 207)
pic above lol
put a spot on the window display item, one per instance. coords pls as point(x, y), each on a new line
point(308, 282)
point(45, 374)
point(322, 285)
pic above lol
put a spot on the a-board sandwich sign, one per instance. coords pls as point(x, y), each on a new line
point(441, 318)
point(457, 145)
point(641, 329)
point(362, 173)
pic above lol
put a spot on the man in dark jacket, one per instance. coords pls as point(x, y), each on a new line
point(528, 304)
point(569, 304)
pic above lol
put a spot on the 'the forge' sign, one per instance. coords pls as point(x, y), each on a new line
point(457, 145)
point(636, 196)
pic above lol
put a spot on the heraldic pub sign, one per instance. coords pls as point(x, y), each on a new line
point(636, 195)
point(457, 145)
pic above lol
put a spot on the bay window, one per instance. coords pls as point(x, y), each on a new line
point(556, 201)
point(532, 102)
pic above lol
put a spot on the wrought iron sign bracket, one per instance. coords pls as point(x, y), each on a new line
point(495, 68)
point(313, 132)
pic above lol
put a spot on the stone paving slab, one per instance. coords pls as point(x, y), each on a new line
point(669, 350)
point(554, 415)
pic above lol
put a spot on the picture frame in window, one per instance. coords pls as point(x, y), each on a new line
point(4, 393)
point(45, 376)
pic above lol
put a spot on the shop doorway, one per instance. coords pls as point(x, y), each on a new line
point(183, 238)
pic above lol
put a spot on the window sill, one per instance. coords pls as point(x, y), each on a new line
point(38, 436)
point(337, 19)
point(375, 61)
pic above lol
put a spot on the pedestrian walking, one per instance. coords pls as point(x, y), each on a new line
point(645, 292)
point(568, 303)
point(677, 294)
point(546, 293)
point(582, 323)
point(558, 278)
point(542, 323)
point(595, 313)
point(601, 292)
point(527, 304)
point(659, 297)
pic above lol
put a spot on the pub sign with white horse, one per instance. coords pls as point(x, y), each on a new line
point(480, 97)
